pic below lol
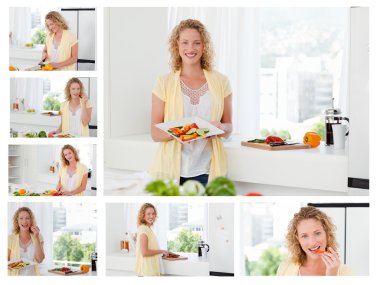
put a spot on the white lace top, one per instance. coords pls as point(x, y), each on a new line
point(70, 181)
point(27, 251)
point(75, 121)
point(54, 54)
point(196, 156)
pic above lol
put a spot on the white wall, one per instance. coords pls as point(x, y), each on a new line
point(137, 40)
point(221, 237)
point(114, 219)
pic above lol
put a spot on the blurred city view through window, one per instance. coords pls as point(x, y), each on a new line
point(263, 231)
point(74, 233)
point(187, 225)
point(302, 62)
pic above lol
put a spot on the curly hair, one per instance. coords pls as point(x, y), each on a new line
point(57, 19)
point(68, 85)
point(208, 53)
point(16, 227)
point(141, 215)
point(298, 255)
point(64, 161)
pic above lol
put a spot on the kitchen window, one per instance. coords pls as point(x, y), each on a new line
point(74, 234)
point(187, 226)
point(27, 25)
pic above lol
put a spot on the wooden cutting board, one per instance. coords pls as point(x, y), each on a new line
point(65, 273)
point(280, 147)
point(175, 258)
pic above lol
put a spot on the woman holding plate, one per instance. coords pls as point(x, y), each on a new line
point(25, 243)
point(192, 88)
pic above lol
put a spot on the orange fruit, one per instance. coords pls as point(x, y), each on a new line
point(22, 191)
point(85, 268)
point(12, 68)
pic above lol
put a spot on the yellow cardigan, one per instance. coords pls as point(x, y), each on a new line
point(289, 268)
point(149, 265)
point(14, 246)
point(64, 49)
point(167, 162)
point(81, 170)
point(65, 114)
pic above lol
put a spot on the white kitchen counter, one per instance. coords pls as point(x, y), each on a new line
point(24, 57)
point(322, 168)
point(193, 266)
point(45, 267)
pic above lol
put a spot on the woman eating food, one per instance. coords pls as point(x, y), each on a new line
point(312, 244)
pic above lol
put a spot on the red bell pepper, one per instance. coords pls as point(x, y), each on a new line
point(270, 139)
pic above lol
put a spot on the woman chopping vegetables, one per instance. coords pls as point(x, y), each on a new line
point(75, 110)
point(192, 88)
point(25, 243)
point(147, 249)
point(312, 244)
point(73, 175)
point(61, 45)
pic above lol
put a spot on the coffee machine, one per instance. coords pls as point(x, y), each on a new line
point(203, 249)
point(332, 117)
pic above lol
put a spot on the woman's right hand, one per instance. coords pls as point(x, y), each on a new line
point(44, 56)
point(52, 133)
point(165, 253)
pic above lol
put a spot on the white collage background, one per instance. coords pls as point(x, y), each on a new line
point(101, 200)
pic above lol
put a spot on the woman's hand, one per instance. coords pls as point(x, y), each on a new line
point(55, 65)
point(165, 253)
point(67, 193)
point(44, 56)
point(332, 262)
point(35, 230)
point(84, 97)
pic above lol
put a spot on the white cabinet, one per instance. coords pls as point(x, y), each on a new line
point(15, 164)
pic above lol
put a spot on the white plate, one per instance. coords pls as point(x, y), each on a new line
point(31, 263)
point(213, 131)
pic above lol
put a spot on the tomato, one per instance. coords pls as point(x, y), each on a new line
point(253, 194)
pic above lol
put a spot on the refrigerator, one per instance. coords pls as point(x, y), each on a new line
point(82, 22)
point(358, 100)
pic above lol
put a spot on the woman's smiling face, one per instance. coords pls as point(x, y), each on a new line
point(312, 237)
point(190, 46)
point(24, 221)
point(150, 216)
point(69, 155)
point(52, 26)
point(75, 90)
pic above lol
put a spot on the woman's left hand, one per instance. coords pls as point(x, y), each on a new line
point(67, 193)
point(84, 97)
point(332, 262)
point(55, 64)
point(35, 230)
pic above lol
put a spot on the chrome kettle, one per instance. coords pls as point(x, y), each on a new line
point(333, 117)
point(203, 249)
